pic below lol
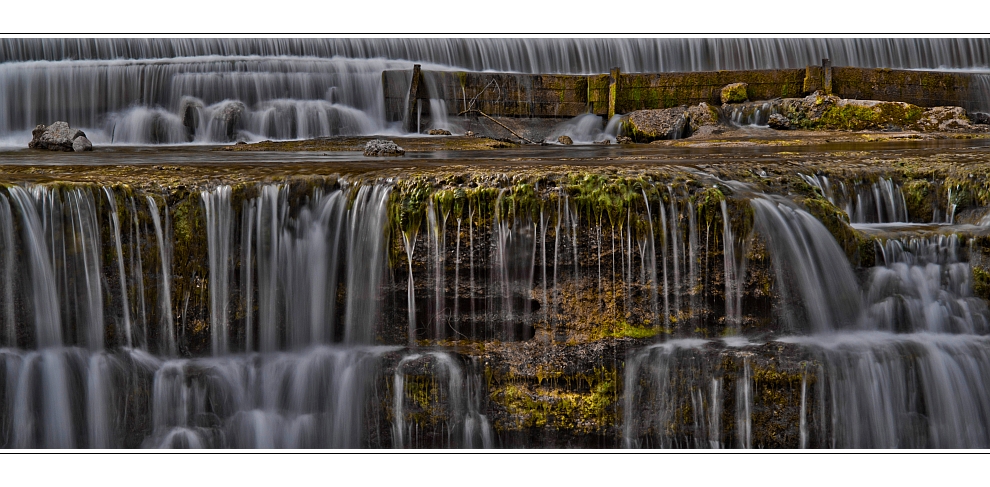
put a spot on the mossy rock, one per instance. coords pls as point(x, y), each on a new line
point(735, 93)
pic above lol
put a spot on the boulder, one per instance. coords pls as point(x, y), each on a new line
point(622, 139)
point(980, 118)
point(650, 125)
point(227, 121)
point(945, 119)
point(734, 93)
point(57, 137)
point(81, 144)
point(382, 147)
point(439, 132)
point(565, 140)
point(828, 112)
point(702, 115)
point(779, 122)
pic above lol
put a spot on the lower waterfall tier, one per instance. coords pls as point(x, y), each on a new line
point(708, 305)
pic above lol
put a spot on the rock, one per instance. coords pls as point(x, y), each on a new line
point(227, 121)
point(565, 140)
point(382, 147)
point(469, 134)
point(980, 118)
point(945, 119)
point(622, 139)
point(58, 137)
point(702, 115)
point(734, 93)
point(603, 142)
point(650, 125)
point(707, 131)
point(81, 144)
point(191, 109)
point(779, 122)
point(826, 112)
point(439, 132)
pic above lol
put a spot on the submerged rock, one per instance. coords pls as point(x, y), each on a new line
point(664, 123)
point(735, 93)
point(382, 147)
point(58, 137)
point(779, 122)
point(565, 140)
point(439, 132)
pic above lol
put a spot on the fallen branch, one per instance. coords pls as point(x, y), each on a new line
point(483, 114)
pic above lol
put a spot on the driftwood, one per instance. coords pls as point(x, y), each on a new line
point(483, 114)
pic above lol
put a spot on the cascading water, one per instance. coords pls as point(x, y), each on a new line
point(170, 91)
point(642, 307)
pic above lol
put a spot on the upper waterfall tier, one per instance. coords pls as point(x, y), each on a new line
point(575, 56)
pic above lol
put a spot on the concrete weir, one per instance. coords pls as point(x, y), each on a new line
point(563, 95)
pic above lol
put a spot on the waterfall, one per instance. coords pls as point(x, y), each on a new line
point(219, 223)
point(807, 260)
point(286, 314)
point(540, 55)
point(170, 91)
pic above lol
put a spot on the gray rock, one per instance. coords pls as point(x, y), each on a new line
point(56, 137)
point(945, 119)
point(702, 115)
point(81, 144)
point(227, 121)
point(565, 140)
point(779, 122)
point(382, 147)
point(664, 123)
point(980, 118)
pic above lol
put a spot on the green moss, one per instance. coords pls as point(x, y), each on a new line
point(981, 282)
point(919, 195)
point(857, 246)
point(582, 404)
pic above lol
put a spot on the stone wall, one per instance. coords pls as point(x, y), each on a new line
point(564, 96)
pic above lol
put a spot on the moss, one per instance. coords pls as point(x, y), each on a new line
point(581, 404)
point(857, 246)
point(919, 195)
point(981, 282)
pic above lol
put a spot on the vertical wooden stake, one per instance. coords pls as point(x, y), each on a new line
point(413, 98)
point(613, 88)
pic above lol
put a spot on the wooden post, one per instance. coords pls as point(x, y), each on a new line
point(613, 88)
point(410, 120)
point(827, 76)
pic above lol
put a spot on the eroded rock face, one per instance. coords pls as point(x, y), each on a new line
point(664, 123)
point(58, 137)
point(734, 93)
point(779, 122)
point(382, 147)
